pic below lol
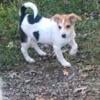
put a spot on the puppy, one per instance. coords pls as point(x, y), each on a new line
point(57, 31)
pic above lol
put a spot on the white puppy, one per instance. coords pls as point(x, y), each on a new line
point(57, 31)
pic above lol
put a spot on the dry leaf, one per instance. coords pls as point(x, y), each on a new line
point(45, 98)
point(40, 98)
point(81, 89)
point(65, 72)
point(90, 98)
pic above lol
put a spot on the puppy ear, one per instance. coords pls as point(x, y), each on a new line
point(73, 18)
point(56, 18)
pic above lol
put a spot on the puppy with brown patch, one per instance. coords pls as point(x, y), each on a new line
point(57, 31)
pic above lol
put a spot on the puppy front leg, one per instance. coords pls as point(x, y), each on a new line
point(60, 56)
point(74, 47)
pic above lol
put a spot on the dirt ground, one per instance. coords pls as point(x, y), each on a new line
point(47, 80)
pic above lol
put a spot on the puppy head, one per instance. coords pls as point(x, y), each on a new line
point(66, 22)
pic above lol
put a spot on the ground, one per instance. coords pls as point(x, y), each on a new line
point(47, 79)
point(32, 82)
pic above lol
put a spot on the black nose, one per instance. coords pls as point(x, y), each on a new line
point(63, 35)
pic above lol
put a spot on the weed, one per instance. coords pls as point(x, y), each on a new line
point(88, 31)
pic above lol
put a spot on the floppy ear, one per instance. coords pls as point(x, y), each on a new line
point(56, 18)
point(73, 18)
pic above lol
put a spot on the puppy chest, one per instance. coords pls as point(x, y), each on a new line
point(62, 40)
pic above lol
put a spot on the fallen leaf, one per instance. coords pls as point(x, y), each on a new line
point(90, 98)
point(84, 75)
point(81, 89)
point(88, 68)
point(45, 98)
point(65, 72)
point(40, 98)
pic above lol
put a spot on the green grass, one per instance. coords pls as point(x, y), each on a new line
point(88, 30)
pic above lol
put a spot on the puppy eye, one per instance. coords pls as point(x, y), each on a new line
point(59, 27)
point(67, 26)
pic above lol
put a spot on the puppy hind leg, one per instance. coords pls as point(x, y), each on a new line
point(37, 49)
point(24, 50)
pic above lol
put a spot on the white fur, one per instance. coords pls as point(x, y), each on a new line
point(32, 6)
point(48, 34)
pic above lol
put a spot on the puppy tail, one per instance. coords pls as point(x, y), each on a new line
point(29, 5)
point(26, 5)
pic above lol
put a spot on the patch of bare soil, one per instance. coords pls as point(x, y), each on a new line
point(47, 80)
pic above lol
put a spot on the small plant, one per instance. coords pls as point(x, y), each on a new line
point(88, 30)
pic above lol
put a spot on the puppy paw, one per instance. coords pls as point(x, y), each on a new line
point(42, 53)
point(30, 60)
point(66, 64)
point(73, 52)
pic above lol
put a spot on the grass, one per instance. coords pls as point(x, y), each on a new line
point(88, 30)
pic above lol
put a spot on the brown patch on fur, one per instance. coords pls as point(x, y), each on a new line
point(66, 19)
point(73, 17)
point(57, 18)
